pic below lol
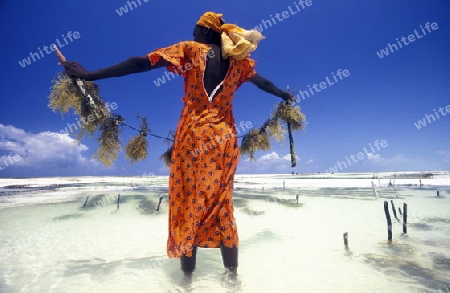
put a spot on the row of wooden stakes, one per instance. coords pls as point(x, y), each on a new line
point(403, 213)
point(388, 217)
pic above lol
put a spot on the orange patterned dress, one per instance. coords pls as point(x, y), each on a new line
point(205, 153)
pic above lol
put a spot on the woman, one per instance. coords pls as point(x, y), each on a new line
point(205, 152)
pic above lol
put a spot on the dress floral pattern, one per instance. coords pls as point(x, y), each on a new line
point(205, 152)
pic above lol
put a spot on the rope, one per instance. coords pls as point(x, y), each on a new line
point(145, 133)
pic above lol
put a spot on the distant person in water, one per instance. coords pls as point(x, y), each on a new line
point(205, 151)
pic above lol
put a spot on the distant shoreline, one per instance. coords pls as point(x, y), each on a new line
point(338, 175)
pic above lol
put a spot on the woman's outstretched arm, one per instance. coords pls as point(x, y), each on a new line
point(269, 87)
point(129, 66)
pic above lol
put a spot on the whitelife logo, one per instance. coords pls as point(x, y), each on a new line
point(411, 38)
point(35, 56)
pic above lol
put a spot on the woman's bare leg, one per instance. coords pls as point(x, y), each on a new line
point(229, 257)
point(188, 263)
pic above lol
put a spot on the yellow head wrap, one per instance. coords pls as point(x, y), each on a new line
point(211, 20)
point(236, 42)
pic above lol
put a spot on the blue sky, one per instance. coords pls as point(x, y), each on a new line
point(380, 100)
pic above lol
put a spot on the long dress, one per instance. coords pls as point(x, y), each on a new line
point(205, 152)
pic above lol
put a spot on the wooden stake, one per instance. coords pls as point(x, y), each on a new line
point(60, 55)
point(291, 146)
point(388, 218)
point(160, 200)
point(291, 142)
point(77, 82)
point(86, 201)
point(393, 210)
point(405, 216)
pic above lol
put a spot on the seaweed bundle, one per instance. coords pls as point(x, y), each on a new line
point(290, 114)
point(167, 156)
point(69, 93)
point(83, 98)
point(259, 139)
point(294, 119)
point(275, 129)
point(136, 148)
point(109, 140)
point(255, 140)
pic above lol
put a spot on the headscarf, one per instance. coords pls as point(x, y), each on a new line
point(236, 42)
point(211, 20)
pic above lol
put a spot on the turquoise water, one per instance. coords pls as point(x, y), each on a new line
point(49, 243)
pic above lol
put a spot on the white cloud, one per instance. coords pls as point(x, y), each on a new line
point(375, 158)
point(268, 163)
point(45, 152)
point(288, 157)
point(273, 156)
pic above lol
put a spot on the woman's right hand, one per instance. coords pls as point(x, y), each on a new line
point(74, 69)
point(289, 98)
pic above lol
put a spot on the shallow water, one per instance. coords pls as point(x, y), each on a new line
point(49, 243)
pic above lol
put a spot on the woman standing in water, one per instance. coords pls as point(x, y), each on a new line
point(205, 153)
